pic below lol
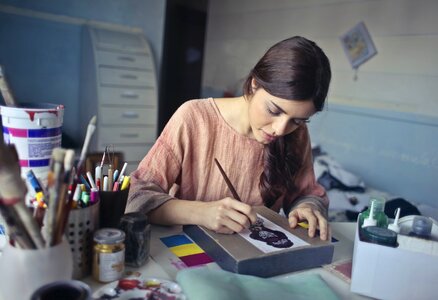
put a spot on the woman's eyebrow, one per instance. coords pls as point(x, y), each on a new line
point(282, 110)
point(278, 107)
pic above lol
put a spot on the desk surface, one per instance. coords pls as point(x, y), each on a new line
point(161, 263)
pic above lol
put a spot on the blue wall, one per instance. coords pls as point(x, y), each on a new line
point(42, 57)
point(392, 151)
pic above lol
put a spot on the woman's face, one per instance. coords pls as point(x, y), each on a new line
point(271, 117)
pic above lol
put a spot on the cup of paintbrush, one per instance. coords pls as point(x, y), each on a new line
point(22, 226)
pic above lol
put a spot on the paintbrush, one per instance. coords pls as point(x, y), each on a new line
point(64, 204)
point(230, 185)
point(227, 181)
point(90, 130)
point(12, 192)
point(5, 90)
point(55, 180)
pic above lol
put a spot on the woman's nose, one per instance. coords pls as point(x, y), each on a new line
point(280, 127)
point(283, 127)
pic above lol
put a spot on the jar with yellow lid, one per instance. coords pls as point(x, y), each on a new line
point(108, 254)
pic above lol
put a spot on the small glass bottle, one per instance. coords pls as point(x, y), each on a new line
point(378, 205)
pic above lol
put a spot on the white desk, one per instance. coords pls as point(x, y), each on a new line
point(159, 264)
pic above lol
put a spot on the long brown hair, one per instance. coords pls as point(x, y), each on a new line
point(295, 69)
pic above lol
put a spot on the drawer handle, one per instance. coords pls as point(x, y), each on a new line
point(129, 76)
point(129, 95)
point(129, 135)
point(130, 115)
point(126, 58)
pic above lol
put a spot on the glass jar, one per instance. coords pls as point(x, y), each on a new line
point(138, 235)
point(108, 254)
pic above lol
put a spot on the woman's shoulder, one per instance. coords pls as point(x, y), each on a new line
point(196, 105)
point(197, 110)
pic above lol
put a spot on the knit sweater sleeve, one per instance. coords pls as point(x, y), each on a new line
point(160, 168)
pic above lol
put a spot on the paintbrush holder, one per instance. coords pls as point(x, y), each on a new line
point(25, 270)
point(82, 222)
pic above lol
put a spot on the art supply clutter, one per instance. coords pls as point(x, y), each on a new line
point(396, 260)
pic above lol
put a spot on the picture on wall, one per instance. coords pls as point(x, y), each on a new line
point(358, 45)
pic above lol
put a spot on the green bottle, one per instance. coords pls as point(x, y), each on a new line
point(378, 205)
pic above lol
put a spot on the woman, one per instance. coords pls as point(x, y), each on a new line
point(261, 141)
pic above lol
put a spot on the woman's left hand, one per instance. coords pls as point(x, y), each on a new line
point(315, 219)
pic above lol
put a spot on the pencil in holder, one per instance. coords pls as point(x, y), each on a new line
point(112, 207)
point(82, 222)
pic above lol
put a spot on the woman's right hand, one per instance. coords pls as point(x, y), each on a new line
point(227, 215)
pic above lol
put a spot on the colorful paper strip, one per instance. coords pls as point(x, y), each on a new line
point(187, 251)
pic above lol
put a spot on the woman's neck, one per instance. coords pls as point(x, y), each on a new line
point(235, 112)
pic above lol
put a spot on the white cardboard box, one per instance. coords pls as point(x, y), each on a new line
point(391, 273)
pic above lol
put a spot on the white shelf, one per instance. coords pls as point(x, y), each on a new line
point(119, 85)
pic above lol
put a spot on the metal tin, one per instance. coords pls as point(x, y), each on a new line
point(108, 254)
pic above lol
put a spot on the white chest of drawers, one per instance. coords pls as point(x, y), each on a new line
point(119, 86)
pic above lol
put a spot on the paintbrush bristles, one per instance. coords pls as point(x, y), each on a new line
point(5, 90)
point(11, 183)
point(93, 120)
point(58, 155)
point(69, 159)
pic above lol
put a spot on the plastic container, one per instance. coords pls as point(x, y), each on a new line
point(22, 271)
point(35, 130)
point(378, 205)
point(421, 227)
point(379, 235)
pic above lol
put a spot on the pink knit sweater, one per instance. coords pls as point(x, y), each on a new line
point(183, 157)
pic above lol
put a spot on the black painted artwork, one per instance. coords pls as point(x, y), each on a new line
point(271, 237)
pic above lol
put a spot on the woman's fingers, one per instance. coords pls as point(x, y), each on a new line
point(323, 225)
point(314, 218)
point(231, 215)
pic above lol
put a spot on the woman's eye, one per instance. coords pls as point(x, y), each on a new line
point(273, 112)
point(300, 121)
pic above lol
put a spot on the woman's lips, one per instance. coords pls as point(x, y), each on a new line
point(269, 138)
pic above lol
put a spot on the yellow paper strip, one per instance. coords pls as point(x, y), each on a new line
point(186, 249)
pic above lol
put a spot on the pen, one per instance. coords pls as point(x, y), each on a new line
point(125, 183)
point(84, 181)
point(110, 177)
point(91, 180)
point(98, 176)
point(105, 183)
point(115, 175)
point(116, 186)
point(122, 172)
point(30, 175)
